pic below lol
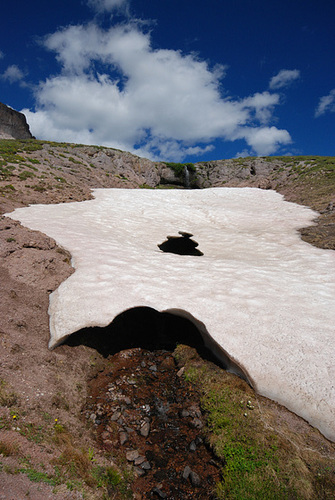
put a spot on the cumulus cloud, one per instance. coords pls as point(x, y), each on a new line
point(326, 104)
point(265, 140)
point(284, 78)
point(13, 74)
point(115, 89)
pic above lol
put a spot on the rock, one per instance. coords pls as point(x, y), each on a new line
point(195, 479)
point(158, 492)
point(131, 455)
point(193, 446)
point(116, 415)
point(186, 472)
point(193, 476)
point(13, 125)
point(146, 466)
point(139, 460)
point(265, 184)
point(123, 436)
point(145, 429)
point(197, 423)
point(140, 472)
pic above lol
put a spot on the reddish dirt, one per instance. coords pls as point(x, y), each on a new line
point(142, 405)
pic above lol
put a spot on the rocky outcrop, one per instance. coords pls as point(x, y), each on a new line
point(13, 125)
point(256, 172)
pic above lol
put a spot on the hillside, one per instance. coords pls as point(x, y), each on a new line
point(48, 441)
point(44, 172)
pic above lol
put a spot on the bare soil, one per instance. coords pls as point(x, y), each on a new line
point(45, 395)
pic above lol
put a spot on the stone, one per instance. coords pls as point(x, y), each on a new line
point(145, 429)
point(265, 184)
point(123, 437)
point(146, 465)
point(138, 471)
point(158, 492)
point(139, 460)
point(193, 446)
point(197, 423)
point(186, 472)
point(116, 415)
point(195, 479)
point(131, 455)
point(13, 125)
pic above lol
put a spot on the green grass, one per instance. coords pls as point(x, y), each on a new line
point(179, 168)
point(26, 175)
point(256, 462)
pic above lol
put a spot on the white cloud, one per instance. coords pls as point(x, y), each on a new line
point(326, 104)
point(107, 5)
point(243, 154)
point(13, 74)
point(263, 104)
point(115, 89)
point(265, 140)
point(284, 78)
point(2, 55)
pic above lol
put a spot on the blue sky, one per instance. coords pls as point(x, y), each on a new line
point(175, 80)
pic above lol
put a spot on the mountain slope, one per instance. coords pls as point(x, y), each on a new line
point(48, 449)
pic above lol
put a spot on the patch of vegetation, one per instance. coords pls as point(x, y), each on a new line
point(60, 179)
point(75, 161)
point(9, 149)
point(25, 175)
point(31, 167)
point(5, 171)
point(40, 188)
point(32, 432)
point(257, 462)
point(8, 448)
point(76, 465)
point(179, 168)
point(7, 397)
point(34, 161)
point(37, 476)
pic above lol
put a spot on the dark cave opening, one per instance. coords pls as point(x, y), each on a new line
point(149, 329)
point(142, 327)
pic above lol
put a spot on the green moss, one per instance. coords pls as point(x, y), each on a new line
point(179, 168)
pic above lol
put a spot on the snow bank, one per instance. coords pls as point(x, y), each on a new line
point(263, 295)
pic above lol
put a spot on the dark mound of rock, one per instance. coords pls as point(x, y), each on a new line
point(13, 125)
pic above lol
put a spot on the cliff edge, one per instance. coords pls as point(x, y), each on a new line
point(13, 125)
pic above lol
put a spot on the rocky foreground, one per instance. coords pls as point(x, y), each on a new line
point(56, 441)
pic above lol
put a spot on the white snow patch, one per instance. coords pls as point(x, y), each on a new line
point(265, 296)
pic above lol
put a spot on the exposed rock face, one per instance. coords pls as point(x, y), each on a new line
point(13, 125)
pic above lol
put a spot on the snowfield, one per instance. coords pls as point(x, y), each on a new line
point(258, 294)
